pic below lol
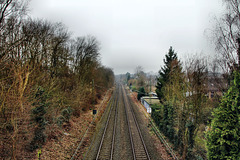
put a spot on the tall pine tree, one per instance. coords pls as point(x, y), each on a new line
point(164, 72)
point(223, 139)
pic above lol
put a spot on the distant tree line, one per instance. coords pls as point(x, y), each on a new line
point(46, 77)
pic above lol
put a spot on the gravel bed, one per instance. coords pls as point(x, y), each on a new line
point(122, 141)
point(122, 146)
point(146, 133)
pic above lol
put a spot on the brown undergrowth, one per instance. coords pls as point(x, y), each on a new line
point(61, 142)
point(64, 142)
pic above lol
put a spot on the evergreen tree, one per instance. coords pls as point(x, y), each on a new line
point(164, 72)
point(141, 92)
point(128, 77)
point(223, 139)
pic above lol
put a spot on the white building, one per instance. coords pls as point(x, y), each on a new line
point(148, 101)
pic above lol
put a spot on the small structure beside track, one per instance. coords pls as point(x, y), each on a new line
point(148, 101)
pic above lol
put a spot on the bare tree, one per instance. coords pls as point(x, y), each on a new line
point(197, 78)
point(140, 76)
point(8, 8)
point(226, 36)
point(85, 51)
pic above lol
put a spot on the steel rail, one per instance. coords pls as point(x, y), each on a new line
point(105, 112)
point(114, 129)
point(158, 134)
point(93, 120)
point(114, 104)
point(129, 128)
point(144, 145)
point(105, 129)
point(126, 102)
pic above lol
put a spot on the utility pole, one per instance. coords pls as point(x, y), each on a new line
point(150, 91)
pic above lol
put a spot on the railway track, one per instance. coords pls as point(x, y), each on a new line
point(106, 147)
point(139, 149)
point(120, 137)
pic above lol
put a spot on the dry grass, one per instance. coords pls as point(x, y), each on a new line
point(61, 143)
point(64, 144)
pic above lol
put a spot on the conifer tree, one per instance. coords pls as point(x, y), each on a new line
point(164, 72)
point(141, 93)
point(223, 139)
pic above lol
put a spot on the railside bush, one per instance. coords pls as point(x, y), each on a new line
point(223, 137)
point(38, 116)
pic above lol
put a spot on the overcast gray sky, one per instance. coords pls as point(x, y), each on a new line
point(135, 32)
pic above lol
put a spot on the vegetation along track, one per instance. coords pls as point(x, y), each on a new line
point(139, 149)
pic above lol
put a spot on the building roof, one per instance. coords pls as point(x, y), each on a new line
point(151, 100)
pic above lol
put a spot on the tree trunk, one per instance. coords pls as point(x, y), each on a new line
point(238, 54)
point(22, 85)
point(185, 144)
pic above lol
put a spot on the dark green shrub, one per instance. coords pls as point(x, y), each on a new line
point(38, 116)
point(223, 138)
point(66, 113)
point(141, 92)
point(134, 88)
point(65, 116)
point(170, 125)
point(165, 119)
